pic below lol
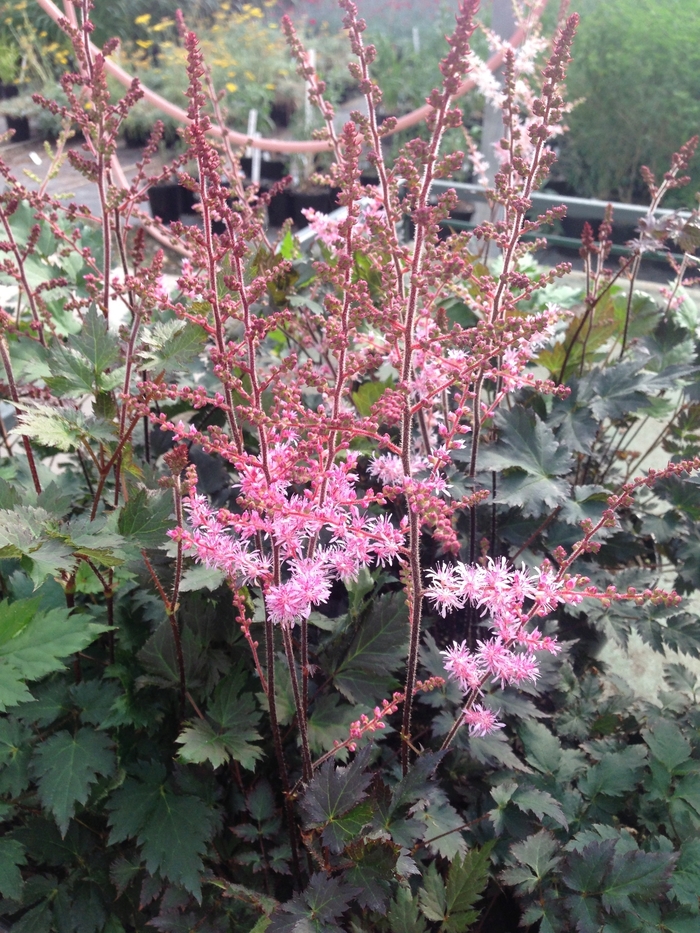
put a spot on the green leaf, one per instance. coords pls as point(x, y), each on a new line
point(685, 881)
point(15, 747)
point(527, 442)
point(329, 722)
point(466, 881)
point(534, 459)
point(173, 830)
point(146, 519)
point(433, 897)
point(636, 875)
point(617, 390)
point(66, 766)
point(316, 909)
point(228, 731)
point(369, 393)
point(342, 830)
point(379, 648)
point(667, 744)
point(172, 345)
point(372, 875)
point(62, 428)
point(11, 858)
point(33, 644)
point(544, 751)
point(96, 342)
point(333, 792)
point(404, 915)
point(416, 783)
point(536, 855)
point(443, 827)
point(540, 803)
point(616, 774)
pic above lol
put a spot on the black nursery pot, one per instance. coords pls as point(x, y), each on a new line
point(188, 200)
point(8, 91)
point(165, 202)
point(271, 170)
point(279, 209)
point(323, 200)
point(21, 127)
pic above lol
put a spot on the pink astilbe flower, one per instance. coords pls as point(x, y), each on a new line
point(481, 721)
point(271, 521)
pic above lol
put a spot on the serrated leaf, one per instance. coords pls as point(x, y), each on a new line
point(229, 730)
point(537, 856)
point(433, 897)
point(372, 875)
point(526, 442)
point(172, 829)
point(333, 792)
point(404, 914)
point(540, 803)
point(466, 881)
point(40, 642)
point(343, 829)
point(66, 766)
point(12, 856)
point(636, 875)
point(329, 722)
point(62, 428)
point(146, 519)
point(617, 390)
point(679, 677)
point(616, 774)
point(443, 827)
point(379, 648)
point(172, 345)
point(315, 910)
point(416, 783)
point(667, 744)
point(685, 881)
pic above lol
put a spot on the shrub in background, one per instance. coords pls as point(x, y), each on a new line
point(636, 75)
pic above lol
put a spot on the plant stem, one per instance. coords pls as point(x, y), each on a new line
point(307, 770)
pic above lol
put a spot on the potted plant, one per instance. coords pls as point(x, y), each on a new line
point(17, 111)
point(8, 71)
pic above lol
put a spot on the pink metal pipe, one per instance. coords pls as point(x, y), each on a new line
point(290, 145)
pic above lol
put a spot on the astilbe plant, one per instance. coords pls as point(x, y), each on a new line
point(307, 434)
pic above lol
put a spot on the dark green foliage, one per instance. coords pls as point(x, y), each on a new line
point(635, 67)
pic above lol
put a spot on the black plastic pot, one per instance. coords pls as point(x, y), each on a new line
point(279, 209)
point(323, 200)
point(8, 91)
point(369, 178)
point(270, 170)
point(188, 200)
point(165, 202)
point(21, 127)
point(281, 112)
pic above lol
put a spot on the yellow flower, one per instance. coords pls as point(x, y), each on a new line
point(256, 12)
point(163, 24)
point(143, 20)
point(144, 43)
point(269, 87)
point(231, 87)
point(249, 75)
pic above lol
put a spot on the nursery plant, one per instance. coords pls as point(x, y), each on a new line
point(303, 562)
